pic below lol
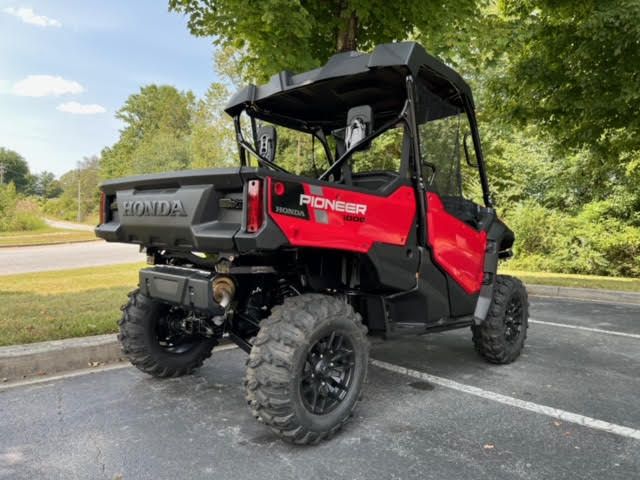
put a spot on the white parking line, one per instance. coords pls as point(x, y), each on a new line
point(586, 329)
point(74, 373)
point(514, 402)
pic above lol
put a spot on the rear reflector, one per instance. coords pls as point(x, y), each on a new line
point(279, 189)
point(255, 211)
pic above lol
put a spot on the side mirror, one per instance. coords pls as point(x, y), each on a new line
point(267, 142)
point(359, 126)
point(467, 154)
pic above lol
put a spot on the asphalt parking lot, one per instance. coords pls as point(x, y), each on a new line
point(568, 408)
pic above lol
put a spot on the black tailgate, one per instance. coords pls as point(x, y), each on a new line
point(192, 210)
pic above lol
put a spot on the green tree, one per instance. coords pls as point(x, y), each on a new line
point(212, 136)
point(275, 35)
point(572, 70)
point(16, 169)
point(78, 185)
point(157, 124)
point(45, 185)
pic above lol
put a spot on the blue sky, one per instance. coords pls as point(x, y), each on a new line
point(67, 66)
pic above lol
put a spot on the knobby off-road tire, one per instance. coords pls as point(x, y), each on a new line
point(501, 337)
point(138, 336)
point(287, 353)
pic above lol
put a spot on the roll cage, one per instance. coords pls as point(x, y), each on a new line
point(397, 80)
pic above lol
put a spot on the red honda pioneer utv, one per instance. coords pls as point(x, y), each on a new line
point(296, 269)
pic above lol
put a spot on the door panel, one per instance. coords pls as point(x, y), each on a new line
point(458, 248)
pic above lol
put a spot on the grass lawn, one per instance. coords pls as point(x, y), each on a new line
point(44, 236)
point(582, 281)
point(43, 306)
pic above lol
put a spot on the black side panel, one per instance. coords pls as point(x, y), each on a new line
point(372, 309)
point(395, 266)
point(433, 285)
point(461, 303)
point(410, 307)
point(428, 302)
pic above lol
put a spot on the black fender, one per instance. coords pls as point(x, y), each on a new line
point(499, 242)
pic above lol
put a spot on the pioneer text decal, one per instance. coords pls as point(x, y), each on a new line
point(323, 203)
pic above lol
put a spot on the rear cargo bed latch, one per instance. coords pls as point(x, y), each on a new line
point(233, 203)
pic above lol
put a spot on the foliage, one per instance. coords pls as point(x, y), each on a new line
point(570, 70)
point(16, 169)
point(44, 185)
point(165, 130)
point(82, 183)
point(157, 120)
point(212, 134)
point(16, 212)
point(275, 35)
point(572, 67)
point(548, 240)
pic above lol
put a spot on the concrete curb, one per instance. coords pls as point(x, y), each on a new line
point(35, 359)
point(52, 243)
point(591, 294)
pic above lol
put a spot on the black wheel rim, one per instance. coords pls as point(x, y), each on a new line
point(513, 319)
point(327, 374)
point(171, 338)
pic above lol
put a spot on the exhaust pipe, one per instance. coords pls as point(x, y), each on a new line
point(223, 290)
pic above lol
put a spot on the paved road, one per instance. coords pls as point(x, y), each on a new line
point(60, 257)
point(69, 225)
point(122, 424)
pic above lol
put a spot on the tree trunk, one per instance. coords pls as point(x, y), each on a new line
point(346, 38)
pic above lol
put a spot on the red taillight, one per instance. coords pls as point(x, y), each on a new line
point(103, 207)
point(255, 212)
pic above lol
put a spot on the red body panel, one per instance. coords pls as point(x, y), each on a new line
point(458, 248)
point(386, 220)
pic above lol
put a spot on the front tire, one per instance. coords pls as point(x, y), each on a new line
point(500, 338)
point(149, 344)
point(307, 367)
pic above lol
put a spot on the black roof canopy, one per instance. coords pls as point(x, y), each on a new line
point(322, 97)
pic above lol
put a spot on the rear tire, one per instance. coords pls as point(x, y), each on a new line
point(141, 344)
point(500, 338)
point(307, 367)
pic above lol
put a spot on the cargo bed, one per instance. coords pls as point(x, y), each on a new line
point(195, 210)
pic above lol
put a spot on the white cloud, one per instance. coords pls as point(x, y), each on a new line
point(45, 85)
point(81, 108)
point(27, 15)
